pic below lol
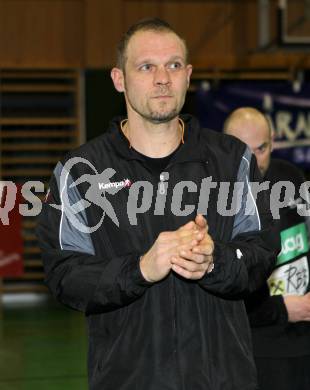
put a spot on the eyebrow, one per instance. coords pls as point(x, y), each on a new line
point(262, 145)
point(149, 60)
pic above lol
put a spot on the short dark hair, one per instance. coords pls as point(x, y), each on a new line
point(150, 24)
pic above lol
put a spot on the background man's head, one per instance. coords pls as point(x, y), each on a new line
point(253, 128)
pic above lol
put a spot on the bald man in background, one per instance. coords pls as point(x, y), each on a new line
point(279, 312)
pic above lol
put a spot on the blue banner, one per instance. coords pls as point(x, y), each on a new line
point(287, 105)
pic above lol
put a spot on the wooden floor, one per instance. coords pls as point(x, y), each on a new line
point(42, 347)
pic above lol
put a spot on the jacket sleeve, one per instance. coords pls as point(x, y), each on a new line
point(244, 263)
point(75, 274)
point(266, 310)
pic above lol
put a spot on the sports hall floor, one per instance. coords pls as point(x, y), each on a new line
point(42, 346)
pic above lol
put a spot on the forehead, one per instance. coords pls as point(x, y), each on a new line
point(154, 45)
point(252, 132)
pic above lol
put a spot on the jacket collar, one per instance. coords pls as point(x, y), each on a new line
point(191, 150)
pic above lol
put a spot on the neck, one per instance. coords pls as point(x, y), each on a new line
point(153, 140)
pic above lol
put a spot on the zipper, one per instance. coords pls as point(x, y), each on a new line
point(161, 200)
point(163, 186)
point(144, 225)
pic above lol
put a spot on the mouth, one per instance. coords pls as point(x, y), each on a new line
point(163, 97)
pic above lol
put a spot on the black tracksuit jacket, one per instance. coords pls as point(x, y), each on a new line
point(175, 334)
point(274, 337)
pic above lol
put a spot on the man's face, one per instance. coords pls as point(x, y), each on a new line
point(256, 134)
point(156, 76)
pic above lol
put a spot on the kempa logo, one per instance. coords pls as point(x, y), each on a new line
point(294, 243)
point(126, 183)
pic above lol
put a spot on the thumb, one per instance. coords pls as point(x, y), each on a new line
point(201, 221)
point(188, 226)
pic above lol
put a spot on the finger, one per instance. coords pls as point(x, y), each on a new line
point(206, 246)
point(193, 236)
point(196, 233)
point(174, 247)
point(190, 256)
point(175, 236)
point(189, 265)
point(188, 226)
point(184, 242)
point(205, 249)
point(187, 274)
point(186, 234)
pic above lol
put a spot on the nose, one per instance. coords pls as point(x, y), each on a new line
point(161, 76)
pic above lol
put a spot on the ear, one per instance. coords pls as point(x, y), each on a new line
point(271, 129)
point(189, 69)
point(272, 137)
point(117, 76)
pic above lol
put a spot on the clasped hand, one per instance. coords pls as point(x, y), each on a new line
point(188, 251)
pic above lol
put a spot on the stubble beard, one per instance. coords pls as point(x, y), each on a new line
point(161, 117)
point(156, 116)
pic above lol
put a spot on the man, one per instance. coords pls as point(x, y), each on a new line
point(279, 317)
point(124, 239)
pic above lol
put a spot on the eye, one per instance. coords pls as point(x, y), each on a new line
point(175, 65)
point(145, 67)
point(262, 148)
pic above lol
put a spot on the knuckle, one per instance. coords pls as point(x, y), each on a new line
point(203, 259)
point(192, 268)
point(200, 259)
point(182, 263)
